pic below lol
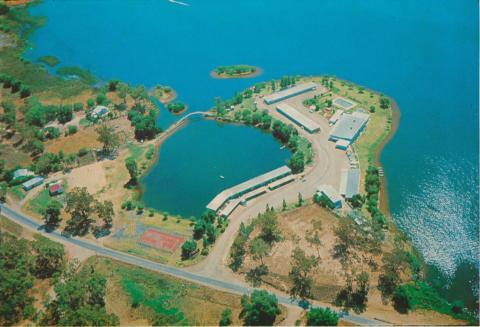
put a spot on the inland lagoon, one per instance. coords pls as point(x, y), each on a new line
point(428, 53)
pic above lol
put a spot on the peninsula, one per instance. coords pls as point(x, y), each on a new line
point(308, 243)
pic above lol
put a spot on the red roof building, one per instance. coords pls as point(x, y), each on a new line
point(55, 189)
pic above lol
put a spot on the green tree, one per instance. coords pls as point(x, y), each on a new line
point(384, 102)
point(260, 309)
point(107, 136)
point(269, 229)
point(16, 281)
point(254, 276)
point(105, 212)
point(300, 199)
point(401, 300)
point(284, 205)
point(79, 300)
point(188, 249)
point(259, 249)
point(122, 91)
point(102, 99)
point(226, 318)
point(52, 212)
point(79, 204)
point(4, 9)
point(322, 317)
point(355, 295)
point(3, 191)
point(300, 275)
point(313, 237)
point(132, 168)
point(49, 258)
point(297, 162)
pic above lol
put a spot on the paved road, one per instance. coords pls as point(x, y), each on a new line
point(31, 224)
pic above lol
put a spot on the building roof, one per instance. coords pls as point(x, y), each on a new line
point(223, 196)
point(55, 188)
point(297, 117)
point(342, 143)
point(350, 182)
point(100, 110)
point(32, 182)
point(22, 172)
point(336, 116)
point(291, 91)
point(280, 182)
point(330, 192)
point(349, 125)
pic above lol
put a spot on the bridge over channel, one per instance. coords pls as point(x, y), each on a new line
point(172, 128)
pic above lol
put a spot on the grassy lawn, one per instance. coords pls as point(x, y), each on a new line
point(9, 226)
point(17, 192)
point(129, 239)
point(160, 298)
point(40, 201)
point(14, 156)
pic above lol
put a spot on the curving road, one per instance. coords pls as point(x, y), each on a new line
point(236, 288)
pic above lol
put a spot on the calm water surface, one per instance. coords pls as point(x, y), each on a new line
point(422, 53)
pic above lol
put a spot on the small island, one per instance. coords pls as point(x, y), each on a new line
point(235, 71)
point(176, 107)
point(164, 94)
point(51, 61)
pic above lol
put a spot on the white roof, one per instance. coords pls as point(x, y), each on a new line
point(336, 116)
point(297, 117)
point(342, 143)
point(348, 125)
point(291, 91)
point(33, 181)
point(22, 172)
point(350, 182)
point(100, 109)
point(330, 192)
point(231, 192)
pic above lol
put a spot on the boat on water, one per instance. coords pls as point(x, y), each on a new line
point(222, 177)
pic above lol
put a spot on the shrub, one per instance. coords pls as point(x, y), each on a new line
point(322, 317)
point(82, 152)
point(72, 129)
point(77, 107)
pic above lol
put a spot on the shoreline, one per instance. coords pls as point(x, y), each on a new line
point(258, 72)
point(384, 204)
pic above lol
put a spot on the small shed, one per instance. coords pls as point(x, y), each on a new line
point(28, 185)
point(55, 189)
point(100, 112)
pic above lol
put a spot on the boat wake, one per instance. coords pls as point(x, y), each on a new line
point(179, 3)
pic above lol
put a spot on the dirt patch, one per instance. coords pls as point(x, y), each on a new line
point(84, 138)
point(92, 177)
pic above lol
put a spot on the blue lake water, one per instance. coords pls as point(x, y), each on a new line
point(422, 53)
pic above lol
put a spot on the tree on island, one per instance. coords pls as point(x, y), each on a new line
point(322, 317)
point(107, 136)
point(384, 102)
point(132, 168)
point(260, 309)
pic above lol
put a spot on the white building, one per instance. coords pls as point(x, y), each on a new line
point(331, 194)
point(349, 127)
point(100, 112)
